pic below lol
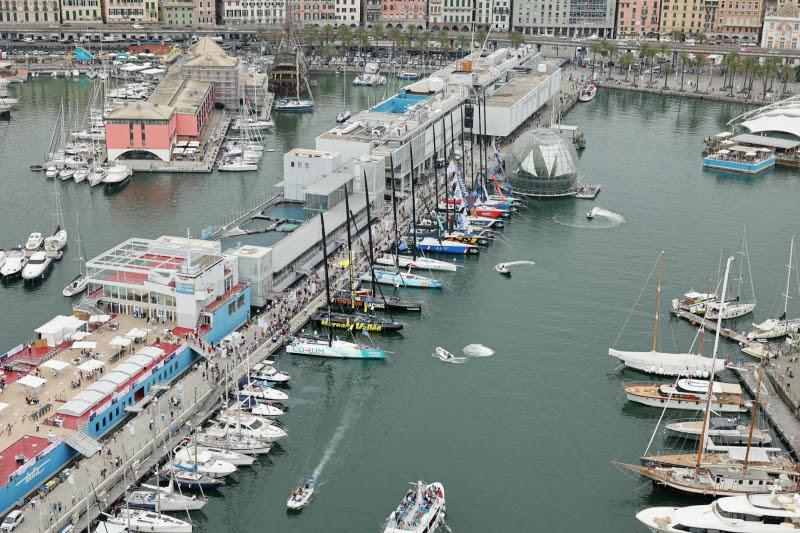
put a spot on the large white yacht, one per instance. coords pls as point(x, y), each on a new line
point(421, 510)
point(38, 267)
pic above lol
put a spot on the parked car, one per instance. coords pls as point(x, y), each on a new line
point(12, 520)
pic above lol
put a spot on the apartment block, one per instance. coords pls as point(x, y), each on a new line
point(637, 18)
point(81, 11)
point(404, 13)
point(178, 13)
point(564, 18)
point(253, 12)
point(25, 11)
point(126, 11)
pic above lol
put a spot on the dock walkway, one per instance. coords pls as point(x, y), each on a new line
point(711, 325)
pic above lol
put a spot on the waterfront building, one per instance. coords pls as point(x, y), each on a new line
point(781, 28)
point(348, 12)
point(495, 14)
point(178, 110)
point(253, 12)
point(451, 15)
point(687, 16)
point(81, 11)
point(205, 13)
point(581, 18)
point(637, 18)
point(24, 11)
point(739, 20)
point(404, 13)
point(178, 13)
point(127, 11)
point(372, 13)
point(316, 12)
point(206, 61)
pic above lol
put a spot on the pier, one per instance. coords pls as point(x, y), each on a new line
point(711, 325)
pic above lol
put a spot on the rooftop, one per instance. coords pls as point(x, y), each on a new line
point(763, 140)
point(142, 111)
point(780, 117)
point(206, 46)
point(333, 181)
point(520, 85)
point(183, 94)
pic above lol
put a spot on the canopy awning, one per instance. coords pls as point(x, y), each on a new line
point(137, 333)
point(32, 381)
point(120, 341)
point(84, 345)
point(78, 335)
point(99, 319)
point(55, 364)
point(3, 406)
point(91, 365)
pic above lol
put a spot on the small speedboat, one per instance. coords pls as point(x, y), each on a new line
point(14, 263)
point(590, 214)
point(76, 286)
point(39, 267)
point(51, 172)
point(301, 496)
point(503, 270)
point(66, 173)
point(587, 93)
point(444, 354)
point(34, 242)
point(421, 510)
point(343, 115)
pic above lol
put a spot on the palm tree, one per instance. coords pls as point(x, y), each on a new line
point(677, 35)
point(311, 34)
point(648, 54)
point(788, 74)
point(625, 62)
point(327, 33)
point(346, 37)
point(767, 73)
point(731, 63)
point(610, 50)
point(684, 60)
point(377, 33)
point(443, 40)
point(700, 62)
point(752, 67)
point(395, 35)
point(516, 39)
point(734, 68)
point(664, 54)
point(328, 51)
point(362, 36)
point(422, 44)
point(595, 48)
point(480, 36)
point(462, 41)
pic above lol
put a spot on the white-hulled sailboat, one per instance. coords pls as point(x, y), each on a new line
point(662, 363)
point(736, 308)
point(779, 327)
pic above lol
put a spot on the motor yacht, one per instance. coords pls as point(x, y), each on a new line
point(117, 177)
point(51, 172)
point(421, 510)
point(38, 267)
point(16, 259)
point(271, 374)
point(35, 242)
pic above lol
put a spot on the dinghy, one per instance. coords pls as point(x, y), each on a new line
point(301, 496)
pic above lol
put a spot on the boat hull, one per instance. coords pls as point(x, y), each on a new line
point(697, 404)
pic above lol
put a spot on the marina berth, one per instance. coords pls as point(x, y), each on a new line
point(163, 499)
point(688, 394)
point(205, 463)
point(335, 348)
point(762, 513)
point(721, 431)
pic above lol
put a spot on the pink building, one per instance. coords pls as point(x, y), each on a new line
point(404, 13)
point(637, 18)
point(315, 12)
point(179, 109)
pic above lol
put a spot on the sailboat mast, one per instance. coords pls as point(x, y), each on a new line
point(749, 270)
point(413, 206)
point(394, 213)
point(658, 299)
point(369, 235)
point(327, 276)
point(702, 444)
point(349, 247)
point(753, 419)
point(435, 170)
point(788, 279)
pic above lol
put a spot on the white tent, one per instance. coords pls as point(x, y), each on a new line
point(32, 381)
point(84, 345)
point(99, 319)
point(58, 328)
point(3, 406)
point(91, 365)
point(78, 335)
point(55, 364)
point(137, 333)
point(120, 341)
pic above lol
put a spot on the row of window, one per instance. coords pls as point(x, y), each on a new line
point(78, 15)
point(138, 295)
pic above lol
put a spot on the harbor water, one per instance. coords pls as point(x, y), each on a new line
point(522, 440)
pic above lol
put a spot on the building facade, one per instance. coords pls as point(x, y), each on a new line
point(495, 14)
point(372, 13)
point(348, 12)
point(451, 15)
point(125, 11)
point(320, 12)
point(565, 18)
point(141, 130)
point(687, 16)
point(637, 18)
point(738, 19)
point(30, 11)
point(205, 13)
point(253, 12)
point(782, 29)
point(81, 11)
point(178, 13)
point(404, 13)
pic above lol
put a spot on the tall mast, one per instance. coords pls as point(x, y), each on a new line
point(349, 247)
point(327, 278)
point(394, 212)
point(702, 443)
point(788, 279)
point(413, 205)
point(369, 234)
point(658, 299)
point(753, 419)
point(749, 270)
point(435, 172)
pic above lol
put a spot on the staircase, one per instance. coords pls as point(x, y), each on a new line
point(150, 396)
point(82, 443)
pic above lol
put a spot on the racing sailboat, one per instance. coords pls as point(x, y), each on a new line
point(779, 327)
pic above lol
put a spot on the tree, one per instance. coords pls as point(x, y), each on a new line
point(647, 53)
point(362, 36)
point(516, 39)
point(626, 62)
point(462, 41)
point(444, 41)
point(731, 63)
point(677, 35)
point(700, 62)
point(751, 69)
point(328, 51)
point(610, 50)
point(311, 34)
point(595, 48)
point(346, 36)
point(480, 36)
point(377, 33)
point(422, 44)
point(683, 59)
point(395, 35)
point(664, 54)
point(768, 71)
point(327, 33)
point(787, 75)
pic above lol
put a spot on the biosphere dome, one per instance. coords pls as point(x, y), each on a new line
point(541, 161)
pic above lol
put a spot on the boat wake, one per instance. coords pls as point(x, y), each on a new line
point(333, 445)
point(602, 219)
point(512, 263)
point(611, 216)
point(478, 350)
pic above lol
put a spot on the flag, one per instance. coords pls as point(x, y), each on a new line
point(365, 332)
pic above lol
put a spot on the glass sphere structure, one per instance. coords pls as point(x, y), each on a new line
point(542, 161)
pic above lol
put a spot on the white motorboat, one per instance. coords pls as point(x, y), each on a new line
point(502, 269)
point(587, 93)
point(76, 73)
point(721, 431)
point(420, 263)
point(15, 262)
point(35, 242)
point(80, 174)
point(369, 80)
point(223, 454)
point(259, 392)
point(117, 177)
point(422, 510)
point(193, 460)
point(219, 437)
point(56, 242)
point(96, 176)
point(270, 373)
point(39, 267)
point(66, 173)
point(301, 496)
point(335, 349)
point(343, 115)
point(773, 328)
point(755, 513)
point(266, 409)
point(2, 258)
point(51, 172)
point(140, 520)
point(688, 394)
point(590, 213)
point(236, 165)
point(250, 426)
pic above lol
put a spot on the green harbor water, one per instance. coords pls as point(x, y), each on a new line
point(522, 440)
